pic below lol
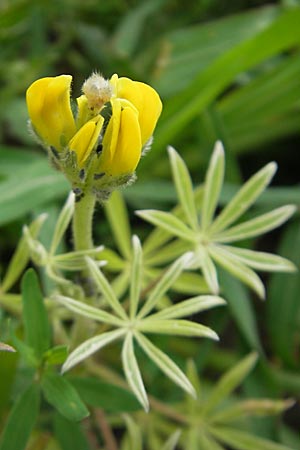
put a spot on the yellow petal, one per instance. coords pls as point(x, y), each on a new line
point(48, 102)
point(128, 147)
point(144, 98)
point(86, 138)
point(110, 139)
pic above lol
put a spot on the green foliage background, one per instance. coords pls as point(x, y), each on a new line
point(225, 70)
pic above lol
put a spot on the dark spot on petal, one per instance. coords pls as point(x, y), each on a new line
point(97, 176)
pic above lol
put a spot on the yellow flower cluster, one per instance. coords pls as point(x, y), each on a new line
point(135, 109)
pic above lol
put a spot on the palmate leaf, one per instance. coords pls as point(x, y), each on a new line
point(244, 198)
point(165, 363)
point(213, 185)
point(132, 372)
point(184, 187)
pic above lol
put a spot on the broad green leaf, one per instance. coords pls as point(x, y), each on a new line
point(241, 440)
point(164, 283)
point(132, 372)
point(239, 270)
point(184, 188)
point(90, 346)
point(189, 307)
point(165, 363)
point(21, 420)
point(100, 394)
point(213, 185)
point(115, 209)
point(87, 311)
point(172, 441)
point(168, 222)
point(283, 301)
point(36, 185)
point(245, 197)
point(176, 328)
point(56, 355)
point(37, 328)
point(136, 276)
point(63, 222)
point(106, 289)
point(21, 255)
point(61, 394)
point(69, 434)
point(261, 260)
point(229, 382)
point(257, 226)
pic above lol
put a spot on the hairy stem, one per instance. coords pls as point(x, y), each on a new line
point(83, 222)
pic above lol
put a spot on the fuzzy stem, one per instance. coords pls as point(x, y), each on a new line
point(83, 222)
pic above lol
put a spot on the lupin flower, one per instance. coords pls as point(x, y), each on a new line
point(106, 149)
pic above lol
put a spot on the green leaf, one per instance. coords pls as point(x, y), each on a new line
point(213, 185)
point(21, 255)
point(245, 197)
point(87, 311)
point(56, 355)
point(21, 420)
point(184, 187)
point(37, 328)
point(239, 270)
point(132, 372)
point(241, 440)
point(228, 382)
point(165, 363)
point(69, 434)
point(172, 441)
point(136, 276)
point(63, 397)
point(208, 267)
point(262, 261)
point(207, 442)
point(90, 346)
point(165, 282)
point(63, 222)
point(104, 287)
point(116, 212)
point(176, 328)
point(134, 433)
point(189, 307)
point(257, 226)
point(168, 222)
point(100, 394)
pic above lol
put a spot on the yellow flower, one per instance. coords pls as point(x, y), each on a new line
point(135, 110)
point(48, 102)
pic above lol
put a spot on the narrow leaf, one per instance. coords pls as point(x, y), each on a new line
point(21, 255)
point(172, 441)
point(262, 261)
point(257, 226)
point(189, 307)
point(228, 382)
point(37, 328)
point(239, 270)
point(91, 346)
point(165, 363)
point(241, 440)
point(117, 215)
point(134, 433)
point(87, 311)
point(184, 187)
point(62, 395)
point(168, 222)
point(176, 328)
point(63, 222)
point(21, 420)
point(208, 268)
point(207, 442)
point(213, 185)
point(105, 288)
point(132, 372)
point(136, 275)
point(166, 281)
point(245, 197)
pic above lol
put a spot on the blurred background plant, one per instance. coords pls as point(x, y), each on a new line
point(225, 70)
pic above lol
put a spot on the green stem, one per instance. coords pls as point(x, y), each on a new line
point(83, 222)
